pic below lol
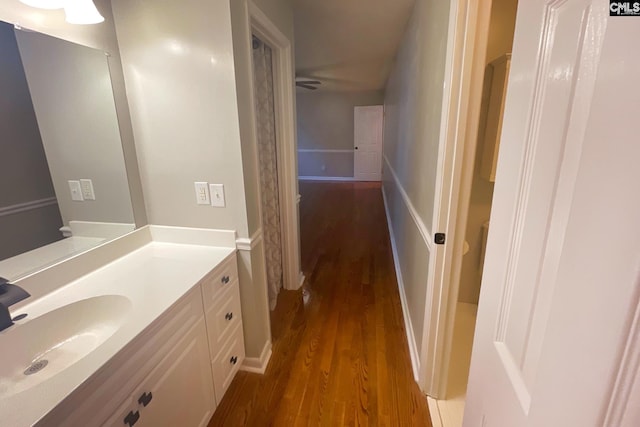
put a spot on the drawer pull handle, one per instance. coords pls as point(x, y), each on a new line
point(233, 360)
point(228, 316)
point(132, 418)
point(145, 399)
point(225, 279)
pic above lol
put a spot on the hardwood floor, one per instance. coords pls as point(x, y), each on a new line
point(340, 354)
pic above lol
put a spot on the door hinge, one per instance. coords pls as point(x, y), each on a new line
point(439, 238)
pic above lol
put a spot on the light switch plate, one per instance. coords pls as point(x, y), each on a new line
point(87, 189)
point(217, 195)
point(202, 193)
point(76, 191)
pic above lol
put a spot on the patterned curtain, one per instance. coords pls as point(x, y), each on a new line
point(267, 156)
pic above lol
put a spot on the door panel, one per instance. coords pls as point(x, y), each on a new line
point(544, 144)
point(555, 308)
point(368, 143)
point(179, 391)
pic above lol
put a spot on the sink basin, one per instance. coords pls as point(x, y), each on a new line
point(34, 350)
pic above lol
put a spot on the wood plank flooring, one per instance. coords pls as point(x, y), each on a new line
point(340, 354)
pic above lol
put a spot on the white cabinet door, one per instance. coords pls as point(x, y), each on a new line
point(555, 342)
point(368, 143)
point(179, 392)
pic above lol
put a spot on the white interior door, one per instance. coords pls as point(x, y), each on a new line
point(558, 337)
point(367, 156)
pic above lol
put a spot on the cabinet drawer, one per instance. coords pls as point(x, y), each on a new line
point(226, 364)
point(223, 317)
point(218, 280)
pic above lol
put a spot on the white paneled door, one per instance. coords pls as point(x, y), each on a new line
point(558, 335)
point(367, 156)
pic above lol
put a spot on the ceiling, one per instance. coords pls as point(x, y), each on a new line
point(348, 44)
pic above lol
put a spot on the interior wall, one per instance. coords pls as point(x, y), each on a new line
point(325, 130)
point(502, 27)
point(25, 173)
point(280, 13)
point(188, 73)
point(73, 100)
point(413, 109)
point(178, 66)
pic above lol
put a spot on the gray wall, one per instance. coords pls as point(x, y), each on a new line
point(187, 70)
point(325, 130)
point(253, 289)
point(413, 108)
point(24, 173)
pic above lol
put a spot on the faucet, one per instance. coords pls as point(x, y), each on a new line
point(9, 295)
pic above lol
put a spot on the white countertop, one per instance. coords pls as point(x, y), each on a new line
point(152, 278)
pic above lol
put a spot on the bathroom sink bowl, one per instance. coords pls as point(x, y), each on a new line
point(35, 350)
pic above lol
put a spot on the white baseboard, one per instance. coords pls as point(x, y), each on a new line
point(434, 412)
point(301, 279)
point(327, 178)
point(411, 339)
point(258, 365)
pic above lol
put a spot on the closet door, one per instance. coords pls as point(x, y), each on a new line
point(368, 143)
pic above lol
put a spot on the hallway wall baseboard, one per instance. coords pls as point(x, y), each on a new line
point(327, 178)
point(434, 411)
point(411, 339)
point(258, 365)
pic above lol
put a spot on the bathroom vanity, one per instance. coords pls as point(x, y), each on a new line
point(152, 337)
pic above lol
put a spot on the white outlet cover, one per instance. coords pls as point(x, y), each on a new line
point(202, 193)
point(87, 189)
point(217, 195)
point(76, 191)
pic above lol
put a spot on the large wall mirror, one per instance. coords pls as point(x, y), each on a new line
point(63, 183)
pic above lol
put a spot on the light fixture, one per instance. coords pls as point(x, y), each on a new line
point(82, 12)
point(45, 4)
point(76, 11)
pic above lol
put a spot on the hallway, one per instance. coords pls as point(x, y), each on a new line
point(341, 356)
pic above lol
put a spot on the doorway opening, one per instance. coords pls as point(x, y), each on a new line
point(449, 411)
point(267, 147)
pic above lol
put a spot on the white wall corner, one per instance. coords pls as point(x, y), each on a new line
point(247, 244)
point(258, 365)
point(411, 339)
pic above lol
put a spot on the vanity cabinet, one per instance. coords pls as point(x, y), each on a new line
point(177, 392)
point(175, 372)
point(221, 296)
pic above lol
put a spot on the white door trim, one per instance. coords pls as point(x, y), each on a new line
point(464, 73)
point(284, 100)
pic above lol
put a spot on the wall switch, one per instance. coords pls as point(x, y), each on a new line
point(76, 191)
point(87, 189)
point(217, 195)
point(202, 193)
